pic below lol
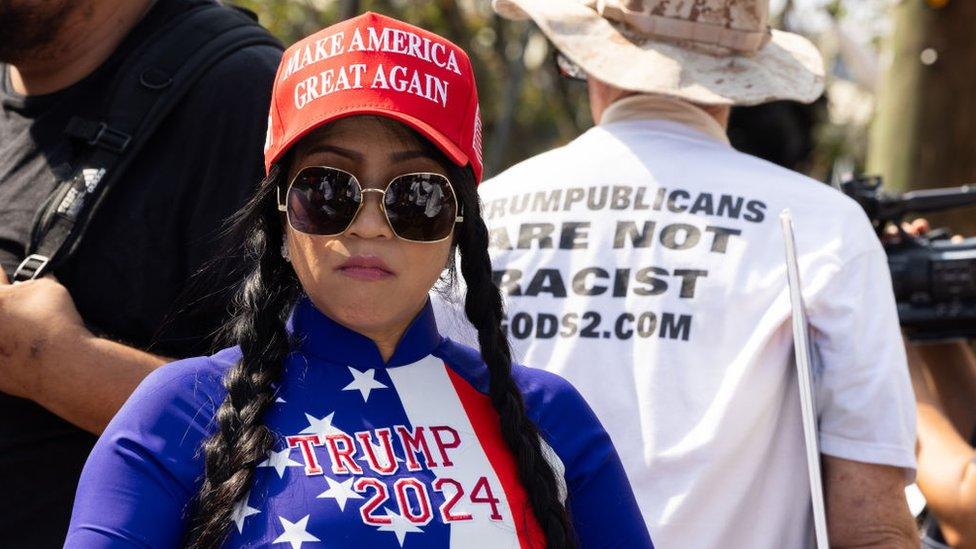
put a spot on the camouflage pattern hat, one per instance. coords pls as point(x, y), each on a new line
point(712, 52)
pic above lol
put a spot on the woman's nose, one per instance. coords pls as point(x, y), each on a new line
point(371, 222)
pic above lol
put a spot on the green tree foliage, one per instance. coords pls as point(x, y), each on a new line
point(526, 107)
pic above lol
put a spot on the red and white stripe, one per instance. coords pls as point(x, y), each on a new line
point(433, 394)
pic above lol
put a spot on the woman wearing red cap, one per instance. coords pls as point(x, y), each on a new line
point(341, 418)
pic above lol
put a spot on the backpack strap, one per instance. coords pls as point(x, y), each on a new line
point(150, 83)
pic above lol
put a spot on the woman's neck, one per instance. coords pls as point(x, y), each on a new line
point(386, 342)
point(386, 334)
point(386, 337)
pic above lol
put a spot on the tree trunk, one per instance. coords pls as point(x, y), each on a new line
point(924, 133)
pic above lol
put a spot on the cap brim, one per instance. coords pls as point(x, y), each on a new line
point(787, 67)
point(445, 145)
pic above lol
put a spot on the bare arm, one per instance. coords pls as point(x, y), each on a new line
point(946, 467)
point(866, 505)
point(48, 356)
point(951, 372)
point(87, 379)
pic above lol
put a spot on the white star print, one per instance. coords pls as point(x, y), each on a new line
point(279, 460)
point(400, 526)
point(340, 491)
point(242, 511)
point(280, 400)
point(364, 382)
point(321, 427)
point(296, 533)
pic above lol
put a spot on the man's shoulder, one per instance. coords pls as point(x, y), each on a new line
point(234, 77)
point(737, 162)
point(241, 80)
point(742, 164)
point(807, 197)
point(562, 158)
point(246, 64)
point(226, 66)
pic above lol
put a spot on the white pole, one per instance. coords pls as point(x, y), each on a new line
point(803, 349)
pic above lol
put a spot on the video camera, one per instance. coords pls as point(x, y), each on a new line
point(934, 278)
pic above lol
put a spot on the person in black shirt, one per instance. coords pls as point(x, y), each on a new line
point(72, 348)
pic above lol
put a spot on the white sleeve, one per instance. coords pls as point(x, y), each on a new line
point(864, 393)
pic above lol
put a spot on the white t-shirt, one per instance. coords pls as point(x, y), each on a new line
point(644, 262)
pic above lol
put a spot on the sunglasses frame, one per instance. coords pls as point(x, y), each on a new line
point(283, 205)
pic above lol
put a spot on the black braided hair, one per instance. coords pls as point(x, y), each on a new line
point(483, 307)
point(263, 302)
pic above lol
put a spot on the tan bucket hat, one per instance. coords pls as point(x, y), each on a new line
point(713, 52)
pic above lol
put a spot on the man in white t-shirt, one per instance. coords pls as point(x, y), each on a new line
point(644, 262)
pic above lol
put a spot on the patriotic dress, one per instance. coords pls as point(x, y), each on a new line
point(369, 454)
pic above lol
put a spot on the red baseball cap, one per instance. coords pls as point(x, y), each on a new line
point(373, 64)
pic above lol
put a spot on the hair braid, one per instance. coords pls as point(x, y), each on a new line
point(483, 307)
point(262, 306)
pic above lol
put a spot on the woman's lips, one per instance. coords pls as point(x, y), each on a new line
point(365, 268)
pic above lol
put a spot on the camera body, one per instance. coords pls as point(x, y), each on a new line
point(934, 279)
point(935, 287)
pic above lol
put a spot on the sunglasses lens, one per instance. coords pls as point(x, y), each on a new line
point(421, 207)
point(323, 201)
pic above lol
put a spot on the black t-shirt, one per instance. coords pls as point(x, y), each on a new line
point(155, 229)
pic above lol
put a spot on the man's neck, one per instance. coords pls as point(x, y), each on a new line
point(707, 120)
point(720, 113)
point(84, 42)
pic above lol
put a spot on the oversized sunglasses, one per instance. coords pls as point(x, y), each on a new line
point(419, 207)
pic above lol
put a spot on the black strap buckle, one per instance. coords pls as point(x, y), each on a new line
point(31, 267)
point(112, 140)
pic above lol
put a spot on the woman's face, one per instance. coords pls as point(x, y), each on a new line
point(366, 279)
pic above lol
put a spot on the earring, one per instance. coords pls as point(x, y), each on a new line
point(285, 254)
